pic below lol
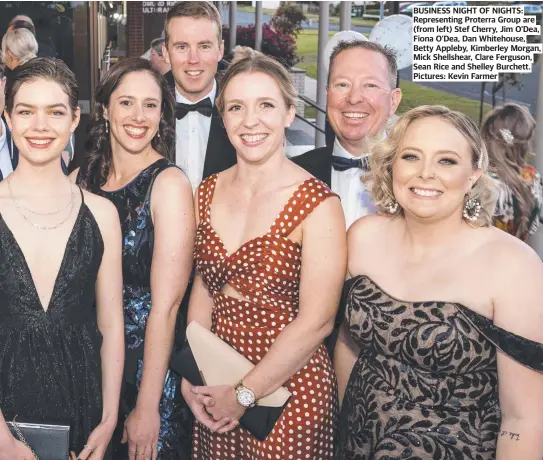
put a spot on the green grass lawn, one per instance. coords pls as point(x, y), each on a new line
point(413, 93)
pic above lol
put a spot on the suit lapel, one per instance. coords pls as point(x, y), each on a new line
point(220, 154)
point(327, 165)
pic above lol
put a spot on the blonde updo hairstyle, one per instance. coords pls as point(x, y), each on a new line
point(384, 154)
point(247, 60)
point(21, 43)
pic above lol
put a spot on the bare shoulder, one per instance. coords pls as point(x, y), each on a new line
point(510, 260)
point(103, 210)
point(367, 240)
point(363, 230)
point(504, 249)
point(172, 177)
point(170, 185)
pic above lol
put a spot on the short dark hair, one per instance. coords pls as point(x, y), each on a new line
point(156, 44)
point(193, 10)
point(388, 54)
point(45, 68)
point(22, 24)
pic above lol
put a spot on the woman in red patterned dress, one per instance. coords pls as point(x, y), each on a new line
point(257, 222)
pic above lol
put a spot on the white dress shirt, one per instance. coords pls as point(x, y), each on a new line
point(5, 158)
point(355, 198)
point(191, 136)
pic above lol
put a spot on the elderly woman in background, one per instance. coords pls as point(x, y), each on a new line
point(454, 372)
point(508, 133)
point(18, 47)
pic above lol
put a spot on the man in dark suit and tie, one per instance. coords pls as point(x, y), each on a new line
point(362, 95)
point(194, 47)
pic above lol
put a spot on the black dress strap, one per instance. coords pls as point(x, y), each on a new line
point(82, 196)
point(525, 351)
point(158, 167)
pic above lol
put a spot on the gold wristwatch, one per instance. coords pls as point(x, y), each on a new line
point(244, 395)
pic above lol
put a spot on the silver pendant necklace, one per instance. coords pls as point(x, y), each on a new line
point(19, 207)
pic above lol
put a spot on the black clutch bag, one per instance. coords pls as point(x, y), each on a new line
point(222, 365)
point(48, 442)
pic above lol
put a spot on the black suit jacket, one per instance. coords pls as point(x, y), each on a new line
point(317, 162)
point(220, 153)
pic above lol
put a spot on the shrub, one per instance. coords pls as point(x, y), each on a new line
point(288, 19)
point(275, 43)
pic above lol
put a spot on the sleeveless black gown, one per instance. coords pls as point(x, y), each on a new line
point(50, 366)
point(133, 202)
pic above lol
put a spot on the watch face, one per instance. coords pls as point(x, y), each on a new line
point(246, 397)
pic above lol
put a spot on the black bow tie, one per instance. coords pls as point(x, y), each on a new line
point(204, 107)
point(343, 164)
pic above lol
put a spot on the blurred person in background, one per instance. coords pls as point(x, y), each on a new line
point(45, 49)
point(157, 58)
point(508, 133)
point(18, 47)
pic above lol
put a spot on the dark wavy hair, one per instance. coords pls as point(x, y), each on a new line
point(95, 169)
point(508, 158)
point(45, 68)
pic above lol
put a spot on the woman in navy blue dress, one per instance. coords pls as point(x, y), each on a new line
point(128, 162)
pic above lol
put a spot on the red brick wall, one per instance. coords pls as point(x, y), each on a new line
point(134, 29)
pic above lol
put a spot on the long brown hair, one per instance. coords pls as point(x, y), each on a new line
point(95, 170)
point(508, 157)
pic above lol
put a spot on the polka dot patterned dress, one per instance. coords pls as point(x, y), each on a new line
point(266, 271)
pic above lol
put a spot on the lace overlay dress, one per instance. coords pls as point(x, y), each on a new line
point(425, 385)
point(266, 271)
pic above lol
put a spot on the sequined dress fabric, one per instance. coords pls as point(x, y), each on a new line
point(50, 367)
point(425, 384)
point(266, 272)
point(133, 203)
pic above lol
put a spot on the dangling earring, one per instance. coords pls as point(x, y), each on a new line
point(392, 206)
point(158, 134)
point(11, 141)
point(107, 127)
point(472, 208)
point(72, 152)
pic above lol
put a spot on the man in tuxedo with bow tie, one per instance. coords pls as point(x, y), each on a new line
point(362, 95)
point(194, 47)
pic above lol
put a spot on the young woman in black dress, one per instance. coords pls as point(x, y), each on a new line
point(61, 324)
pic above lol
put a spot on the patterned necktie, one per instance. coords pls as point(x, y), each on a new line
point(344, 164)
point(204, 107)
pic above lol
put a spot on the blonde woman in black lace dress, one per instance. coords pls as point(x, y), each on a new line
point(440, 355)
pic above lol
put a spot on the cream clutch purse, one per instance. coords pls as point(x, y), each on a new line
point(207, 360)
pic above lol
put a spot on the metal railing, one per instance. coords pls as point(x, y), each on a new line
point(311, 103)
